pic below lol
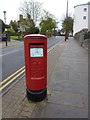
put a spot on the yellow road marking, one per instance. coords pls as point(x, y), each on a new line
point(12, 75)
point(51, 48)
point(12, 80)
point(17, 72)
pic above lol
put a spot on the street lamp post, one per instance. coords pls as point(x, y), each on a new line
point(5, 23)
point(66, 34)
point(4, 16)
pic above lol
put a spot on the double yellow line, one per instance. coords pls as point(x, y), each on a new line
point(19, 72)
point(10, 80)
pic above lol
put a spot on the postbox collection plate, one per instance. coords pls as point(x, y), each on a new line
point(36, 52)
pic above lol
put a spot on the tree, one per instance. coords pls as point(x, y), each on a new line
point(48, 23)
point(2, 26)
point(67, 24)
point(31, 8)
point(12, 32)
point(14, 26)
point(32, 30)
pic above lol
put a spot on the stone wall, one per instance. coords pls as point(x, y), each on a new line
point(83, 37)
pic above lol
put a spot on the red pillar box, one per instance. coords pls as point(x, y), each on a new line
point(35, 49)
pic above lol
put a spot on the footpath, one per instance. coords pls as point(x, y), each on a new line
point(10, 43)
point(67, 87)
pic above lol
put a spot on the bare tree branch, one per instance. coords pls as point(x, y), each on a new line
point(31, 8)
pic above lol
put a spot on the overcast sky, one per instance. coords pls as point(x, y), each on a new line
point(55, 7)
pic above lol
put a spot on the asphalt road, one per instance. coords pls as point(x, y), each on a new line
point(13, 57)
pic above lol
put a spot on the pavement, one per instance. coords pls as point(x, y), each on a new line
point(67, 86)
point(10, 43)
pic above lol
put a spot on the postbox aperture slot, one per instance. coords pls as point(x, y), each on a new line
point(31, 44)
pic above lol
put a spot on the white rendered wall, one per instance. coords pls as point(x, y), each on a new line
point(89, 17)
point(79, 22)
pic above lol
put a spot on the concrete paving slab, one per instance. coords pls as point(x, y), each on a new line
point(81, 67)
point(69, 86)
point(60, 111)
point(65, 67)
point(60, 75)
point(66, 98)
point(51, 110)
point(67, 83)
point(38, 111)
point(74, 75)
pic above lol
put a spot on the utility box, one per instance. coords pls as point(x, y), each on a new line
point(35, 49)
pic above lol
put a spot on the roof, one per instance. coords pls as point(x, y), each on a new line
point(35, 35)
point(82, 4)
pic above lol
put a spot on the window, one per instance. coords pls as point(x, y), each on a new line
point(85, 9)
point(84, 17)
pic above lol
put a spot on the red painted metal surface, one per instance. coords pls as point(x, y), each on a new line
point(36, 67)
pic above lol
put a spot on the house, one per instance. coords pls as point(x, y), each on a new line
point(81, 17)
point(0, 30)
point(25, 23)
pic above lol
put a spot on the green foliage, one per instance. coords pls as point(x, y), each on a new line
point(7, 26)
point(14, 26)
point(47, 24)
point(67, 24)
point(14, 37)
point(36, 30)
point(12, 32)
point(32, 30)
point(3, 26)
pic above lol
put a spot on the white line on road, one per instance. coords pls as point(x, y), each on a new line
point(9, 52)
point(21, 70)
point(51, 48)
point(21, 49)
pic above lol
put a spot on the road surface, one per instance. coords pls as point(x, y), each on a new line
point(13, 59)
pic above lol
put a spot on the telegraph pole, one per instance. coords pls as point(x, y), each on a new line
point(67, 10)
point(66, 34)
point(5, 23)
